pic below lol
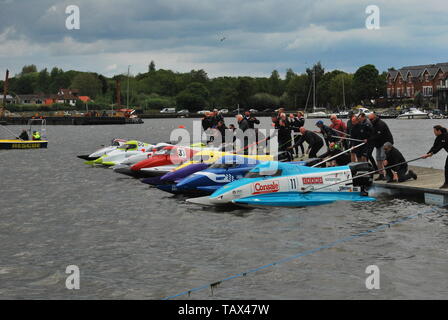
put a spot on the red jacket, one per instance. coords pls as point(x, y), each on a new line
point(340, 126)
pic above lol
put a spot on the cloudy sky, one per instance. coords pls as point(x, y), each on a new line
point(186, 34)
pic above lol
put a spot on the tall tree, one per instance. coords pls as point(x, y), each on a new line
point(275, 84)
point(365, 81)
point(245, 90)
point(320, 71)
point(28, 69)
point(87, 84)
point(152, 66)
point(43, 81)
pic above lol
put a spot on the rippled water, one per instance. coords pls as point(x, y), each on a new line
point(130, 241)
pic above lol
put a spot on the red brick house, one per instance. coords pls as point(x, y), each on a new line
point(431, 80)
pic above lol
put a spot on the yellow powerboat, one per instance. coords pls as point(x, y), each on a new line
point(210, 156)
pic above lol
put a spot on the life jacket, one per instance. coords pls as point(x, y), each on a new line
point(36, 136)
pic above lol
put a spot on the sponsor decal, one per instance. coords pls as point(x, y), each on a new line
point(265, 187)
point(313, 180)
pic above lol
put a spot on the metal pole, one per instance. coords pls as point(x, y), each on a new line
point(127, 98)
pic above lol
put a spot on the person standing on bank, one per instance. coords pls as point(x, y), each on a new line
point(297, 123)
point(251, 120)
point(441, 142)
point(379, 136)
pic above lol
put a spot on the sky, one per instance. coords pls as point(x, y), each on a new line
point(223, 37)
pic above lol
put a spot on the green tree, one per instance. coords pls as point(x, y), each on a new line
point(297, 91)
point(87, 84)
point(275, 84)
point(43, 81)
point(28, 69)
point(320, 71)
point(245, 91)
point(366, 83)
point(264, 100)
point(340, 84)
point(152, 66)
point(193, 98)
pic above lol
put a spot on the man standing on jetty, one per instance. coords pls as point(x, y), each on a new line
point(440, 143)
point(379, 136)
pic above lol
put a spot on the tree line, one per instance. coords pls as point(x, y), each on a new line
point(195, 90)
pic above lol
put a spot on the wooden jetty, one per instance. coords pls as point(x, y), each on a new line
point(427, 185)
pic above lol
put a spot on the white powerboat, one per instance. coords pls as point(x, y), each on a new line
point(413, 113)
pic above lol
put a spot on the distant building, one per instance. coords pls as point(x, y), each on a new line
point(84, 99)
point(67, 96)
point(9, 99)
point(431, 80)
point(29, 99)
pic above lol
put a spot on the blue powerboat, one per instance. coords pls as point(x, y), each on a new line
point(276, 184)
point(227, 169)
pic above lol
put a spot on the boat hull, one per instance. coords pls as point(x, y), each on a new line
point(413, 116)
point(21, 145)
point(295, 200)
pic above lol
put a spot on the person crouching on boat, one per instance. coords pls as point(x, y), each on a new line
point(335, 149)
point(36, 135)
point(315, 143)
point(394, 157)
point(24, 135)
point(441, 142)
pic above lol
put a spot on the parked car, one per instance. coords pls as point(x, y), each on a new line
point(224, 111)
point(203, 111)
point(168, 110)
point(253, 110)
point(184, 111)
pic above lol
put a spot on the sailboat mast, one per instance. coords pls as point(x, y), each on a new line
point(127, 95)
point(5, 93)
point(343, 92)
point(314, 89)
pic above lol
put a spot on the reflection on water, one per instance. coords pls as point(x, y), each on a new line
point(131, 241)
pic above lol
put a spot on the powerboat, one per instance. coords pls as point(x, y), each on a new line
point(20, 144)
point(140, 156)
point(129, 149)
point(413, 113)
point(115, 143)
point(276, 184)
point(227, 169)
point(162, 162)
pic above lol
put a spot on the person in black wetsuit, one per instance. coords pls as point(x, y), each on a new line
point(379, 136)
point(315, 143)
point(284, 136)
point(441, 142)
point(297, 123)
point(335, 149)
point(24, 135)
point(359, 131)
point(327, 133)
point(251, 120)
point(366, 122)
point(394, 157)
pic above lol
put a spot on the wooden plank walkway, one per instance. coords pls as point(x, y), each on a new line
point(428, 181)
